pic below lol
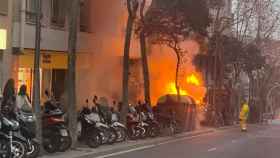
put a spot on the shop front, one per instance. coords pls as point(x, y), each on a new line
point(53, 68)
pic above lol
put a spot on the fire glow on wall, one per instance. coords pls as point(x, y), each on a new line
point(3, 39)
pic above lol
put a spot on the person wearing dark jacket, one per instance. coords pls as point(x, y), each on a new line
point(8, 105)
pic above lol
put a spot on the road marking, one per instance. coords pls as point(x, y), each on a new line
point(157, 144)
point(126, 151)
point(212, 149)
point(181, 139)
point(233, 141)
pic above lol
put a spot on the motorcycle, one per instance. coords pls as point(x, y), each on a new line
point(56, 136)
point(10, 146)
point(87, 130)
point(28, 131)
point(120, 129)
point(152, 127)
point(135, 126)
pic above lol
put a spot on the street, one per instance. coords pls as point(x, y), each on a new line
point(259, 142)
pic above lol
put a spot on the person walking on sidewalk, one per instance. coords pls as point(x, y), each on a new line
point(23, 100)
point(243, 116)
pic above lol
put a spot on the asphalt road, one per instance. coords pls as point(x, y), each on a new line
point(258, 142)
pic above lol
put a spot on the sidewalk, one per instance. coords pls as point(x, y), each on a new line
point(84, 151)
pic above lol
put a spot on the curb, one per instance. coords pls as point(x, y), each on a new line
point(154, 141)
point(89, 152)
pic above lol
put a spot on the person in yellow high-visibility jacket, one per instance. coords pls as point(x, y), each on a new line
point(243, 116)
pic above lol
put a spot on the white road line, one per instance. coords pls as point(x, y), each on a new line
point(233, 141)
point(180, 139)
point(155, 144)
point(212, 149)
point(126, 151)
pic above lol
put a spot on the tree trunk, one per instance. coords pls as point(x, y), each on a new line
point(36, 79)
point(177, 75)
point(72, 41)
point(144, 58)
point(145, 68)
point(131, 17)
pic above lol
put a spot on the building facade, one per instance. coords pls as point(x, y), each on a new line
point(6, 68)
point(17, 19)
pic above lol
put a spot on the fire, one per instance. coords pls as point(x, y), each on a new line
point(193, 87)
point(171, 89)
point(192, 79)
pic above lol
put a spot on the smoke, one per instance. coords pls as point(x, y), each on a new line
point(162, 64)
point(99, 68)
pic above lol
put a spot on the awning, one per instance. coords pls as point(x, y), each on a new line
point(49, 59)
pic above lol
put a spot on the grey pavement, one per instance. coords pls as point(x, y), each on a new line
point(83, 150)
point(261, 141)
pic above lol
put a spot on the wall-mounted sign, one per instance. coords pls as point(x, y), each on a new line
point(49, 59)
point(3, 39)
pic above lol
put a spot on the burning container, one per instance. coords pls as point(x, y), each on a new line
point(185, 110)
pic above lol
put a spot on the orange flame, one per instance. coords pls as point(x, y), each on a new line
point(192, 79)
point(193, 87)
point(171, 89)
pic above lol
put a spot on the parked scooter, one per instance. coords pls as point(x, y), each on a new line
point(152, 126)
point(27, 122)
point(56, 136)
point(94, 129)
point(135, 125)
point(10, 146)
point(87, 130)
point(120, 129)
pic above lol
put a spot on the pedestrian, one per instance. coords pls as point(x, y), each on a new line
point(23, 100)
point(243, 116)
point(95, 99)
point(120, 106)
point(8, 104)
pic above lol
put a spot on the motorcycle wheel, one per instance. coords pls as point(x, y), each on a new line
point(94, 140)
point(34, 150)
point(49, 146)
point(154, 130)
point(19, 149)
point(65, 143)
point(134, 133)
point(121, 134)
point(112, 136)
point(4, 149)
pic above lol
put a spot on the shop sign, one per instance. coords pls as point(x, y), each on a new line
point(47, 59)
point(3, 39)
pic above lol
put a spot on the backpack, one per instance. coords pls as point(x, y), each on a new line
point(26, 107)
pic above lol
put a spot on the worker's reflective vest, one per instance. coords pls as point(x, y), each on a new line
point(244, 112)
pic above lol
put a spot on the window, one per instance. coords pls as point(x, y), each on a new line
point(58, 13)
point(31, 11)
point(4, 7)
point(84, 16)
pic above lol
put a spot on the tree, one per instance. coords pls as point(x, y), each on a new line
point(171, 23)
point(239, 56)
point(254, 21)
point(132, 6)
point(36, 79)
point(143, 45)
point(72, 42)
